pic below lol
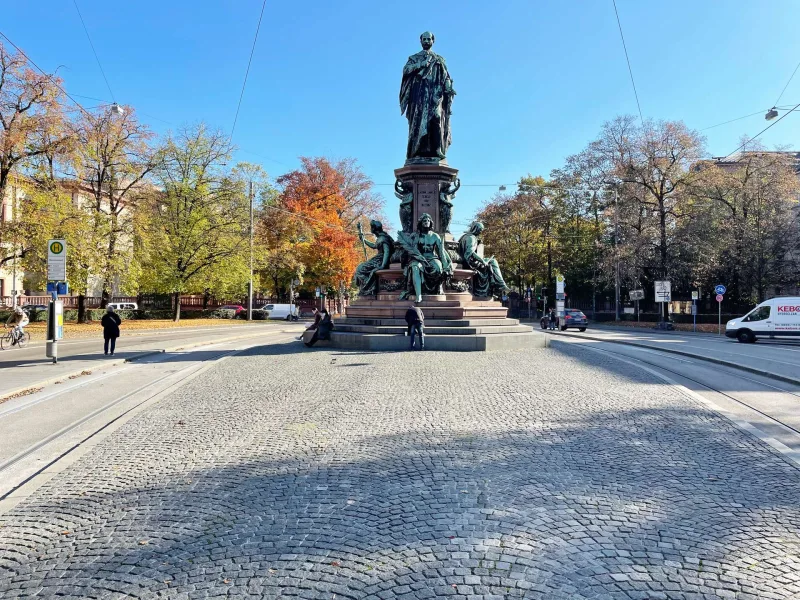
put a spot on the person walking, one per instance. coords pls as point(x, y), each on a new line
point(416, 325)
point(110, 322)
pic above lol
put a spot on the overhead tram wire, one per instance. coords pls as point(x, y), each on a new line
point(759, 112)
point(53, 81)
point(787, 84)
point(628, 60)
point(763, 130)
point(97, 58)
point(247, 72)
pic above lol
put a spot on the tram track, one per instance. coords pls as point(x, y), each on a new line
point(658, 367)
point(181, 376)
point(712, 388)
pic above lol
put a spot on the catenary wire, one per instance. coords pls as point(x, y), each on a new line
point(630, 70)
point(765, 129)
point(247, 72)
point(97, 58)
point(53, 81)
point(787, 83)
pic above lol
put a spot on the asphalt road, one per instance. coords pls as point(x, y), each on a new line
point(28, 367)
point(38, 428)
point(770, 356)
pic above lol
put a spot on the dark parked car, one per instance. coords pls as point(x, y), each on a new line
point(30, 309)
point(574, 318)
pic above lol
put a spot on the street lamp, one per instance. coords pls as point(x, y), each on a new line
point(771, 114)
point(116, 109)
point(502, 188)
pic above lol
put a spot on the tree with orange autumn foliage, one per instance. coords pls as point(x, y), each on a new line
point(310, 227)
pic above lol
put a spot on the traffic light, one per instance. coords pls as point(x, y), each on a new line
point(544, 291)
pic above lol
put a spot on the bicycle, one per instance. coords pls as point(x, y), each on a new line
point(8, 339)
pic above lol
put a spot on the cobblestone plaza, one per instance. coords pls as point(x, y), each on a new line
point(549, 474)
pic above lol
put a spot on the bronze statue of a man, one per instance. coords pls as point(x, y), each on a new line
point(426, 97)
point(488, 280)
point(366, 276)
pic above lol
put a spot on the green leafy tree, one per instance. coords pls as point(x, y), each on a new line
point(197, 221)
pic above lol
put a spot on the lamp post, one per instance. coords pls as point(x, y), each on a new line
point(616, 255)
point(250, 282)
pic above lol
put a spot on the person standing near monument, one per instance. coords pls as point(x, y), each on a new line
point(416, 325)
point(426, 97)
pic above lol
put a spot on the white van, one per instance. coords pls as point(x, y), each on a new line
point(124, 305)
point(288, 312)
point(778, 317)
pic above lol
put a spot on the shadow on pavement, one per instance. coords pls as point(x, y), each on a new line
point(532, 496)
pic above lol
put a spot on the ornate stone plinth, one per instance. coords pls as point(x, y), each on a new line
point(429, 184)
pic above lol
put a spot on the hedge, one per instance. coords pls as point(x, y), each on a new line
point(95, 314)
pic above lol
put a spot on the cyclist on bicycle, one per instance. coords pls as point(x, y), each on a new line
point(18, 320)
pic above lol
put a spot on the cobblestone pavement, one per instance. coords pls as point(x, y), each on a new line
point(324, 474)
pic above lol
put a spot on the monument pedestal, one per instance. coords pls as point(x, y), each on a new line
point(455, 320)
point(428, 181)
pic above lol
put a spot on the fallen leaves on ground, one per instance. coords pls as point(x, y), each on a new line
point(20, 394)
point(73, 331)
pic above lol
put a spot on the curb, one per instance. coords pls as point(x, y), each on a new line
point(113, 363)
point(718, 361)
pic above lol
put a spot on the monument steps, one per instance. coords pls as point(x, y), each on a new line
point(447, 312)
point(429, 331)
point(400, 322)
point(449, 343)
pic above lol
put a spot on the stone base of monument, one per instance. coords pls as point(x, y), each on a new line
point(453, 322)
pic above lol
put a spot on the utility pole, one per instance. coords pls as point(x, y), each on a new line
point(616, 255)
point(250, 283)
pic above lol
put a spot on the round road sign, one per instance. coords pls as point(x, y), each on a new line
point(720, 289)
point(719, 297)
point(56, 247)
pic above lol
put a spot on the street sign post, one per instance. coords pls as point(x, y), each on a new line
point(695, 296)
point(663, 291)
point(719, 308)
point(560, 295)
point(56, 260)
point(636, 295)
point(55, 328)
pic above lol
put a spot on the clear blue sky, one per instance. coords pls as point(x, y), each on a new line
point(535, 79)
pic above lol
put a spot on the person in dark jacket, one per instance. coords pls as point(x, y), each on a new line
point(110, 323)
point(553, 319)
point(322, 327)
point(416, 325)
